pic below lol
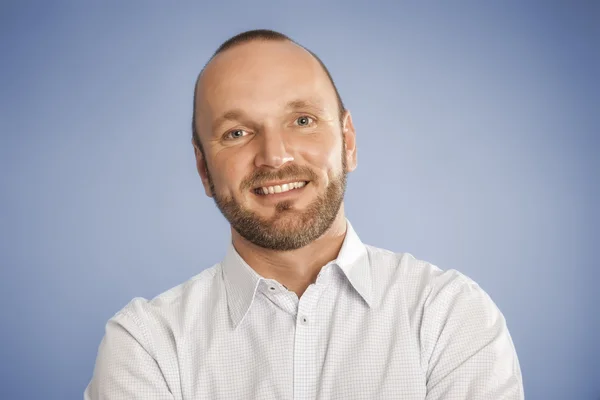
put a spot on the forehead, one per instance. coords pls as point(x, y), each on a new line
point(260, 77)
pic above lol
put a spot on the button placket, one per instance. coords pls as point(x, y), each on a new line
point(305, 379)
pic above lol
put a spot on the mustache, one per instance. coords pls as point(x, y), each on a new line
point(290, 172)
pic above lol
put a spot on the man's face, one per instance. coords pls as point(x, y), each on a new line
point(275, 153)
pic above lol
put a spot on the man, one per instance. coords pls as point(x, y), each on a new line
point(299, 308)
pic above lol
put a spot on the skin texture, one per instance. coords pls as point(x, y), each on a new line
point(267, 114)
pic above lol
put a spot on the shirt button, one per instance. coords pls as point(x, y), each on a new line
point(304, 320)
point(272, 288)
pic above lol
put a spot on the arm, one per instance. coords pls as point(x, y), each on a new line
point(125, 366)
point(468, 350)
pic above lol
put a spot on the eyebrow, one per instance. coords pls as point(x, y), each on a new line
point(303, 104)
point(231, 115)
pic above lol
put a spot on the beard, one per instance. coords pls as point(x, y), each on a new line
point(289, 228)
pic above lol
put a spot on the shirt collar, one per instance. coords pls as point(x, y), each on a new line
point(241, 281)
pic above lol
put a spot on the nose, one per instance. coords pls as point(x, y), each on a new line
point(273, 152)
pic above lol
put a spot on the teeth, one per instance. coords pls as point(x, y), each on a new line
point(281, 188)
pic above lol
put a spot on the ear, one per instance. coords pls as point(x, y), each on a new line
point(350, 137)
point(201, 167)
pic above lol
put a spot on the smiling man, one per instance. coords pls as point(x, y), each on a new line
point(299, 308)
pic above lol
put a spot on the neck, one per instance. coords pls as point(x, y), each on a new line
point(295, 269)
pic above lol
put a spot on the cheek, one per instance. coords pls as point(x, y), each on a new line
point(324, 155)
point(231, 169)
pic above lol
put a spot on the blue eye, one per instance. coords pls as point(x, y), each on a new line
point(304, 120)
point(236, 134)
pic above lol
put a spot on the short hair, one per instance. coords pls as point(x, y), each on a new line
point(259, 35)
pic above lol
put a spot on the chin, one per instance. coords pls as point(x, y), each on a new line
point(284, 214)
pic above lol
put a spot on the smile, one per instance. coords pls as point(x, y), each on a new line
point(286, 187)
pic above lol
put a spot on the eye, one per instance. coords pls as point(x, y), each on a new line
point(304, 120)
point(235, 134)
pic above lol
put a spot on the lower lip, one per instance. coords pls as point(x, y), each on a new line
point(290, 194)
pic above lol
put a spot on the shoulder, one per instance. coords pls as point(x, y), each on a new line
point(141, 340)
point(166, 313)
point(419, 279)
point(444, 306)
point(428, 292)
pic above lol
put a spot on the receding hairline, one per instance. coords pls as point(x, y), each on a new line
point(227, 46)
point(258, 35)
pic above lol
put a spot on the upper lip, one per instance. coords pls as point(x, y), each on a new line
point(279, 183)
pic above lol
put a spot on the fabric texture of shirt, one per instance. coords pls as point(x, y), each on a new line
point(374, 325)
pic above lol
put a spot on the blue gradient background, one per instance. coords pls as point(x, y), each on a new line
point(478, 150)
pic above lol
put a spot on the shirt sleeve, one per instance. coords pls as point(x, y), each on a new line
point(468, 350)
point(125, 367)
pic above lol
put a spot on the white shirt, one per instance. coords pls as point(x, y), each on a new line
point(374, 325)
